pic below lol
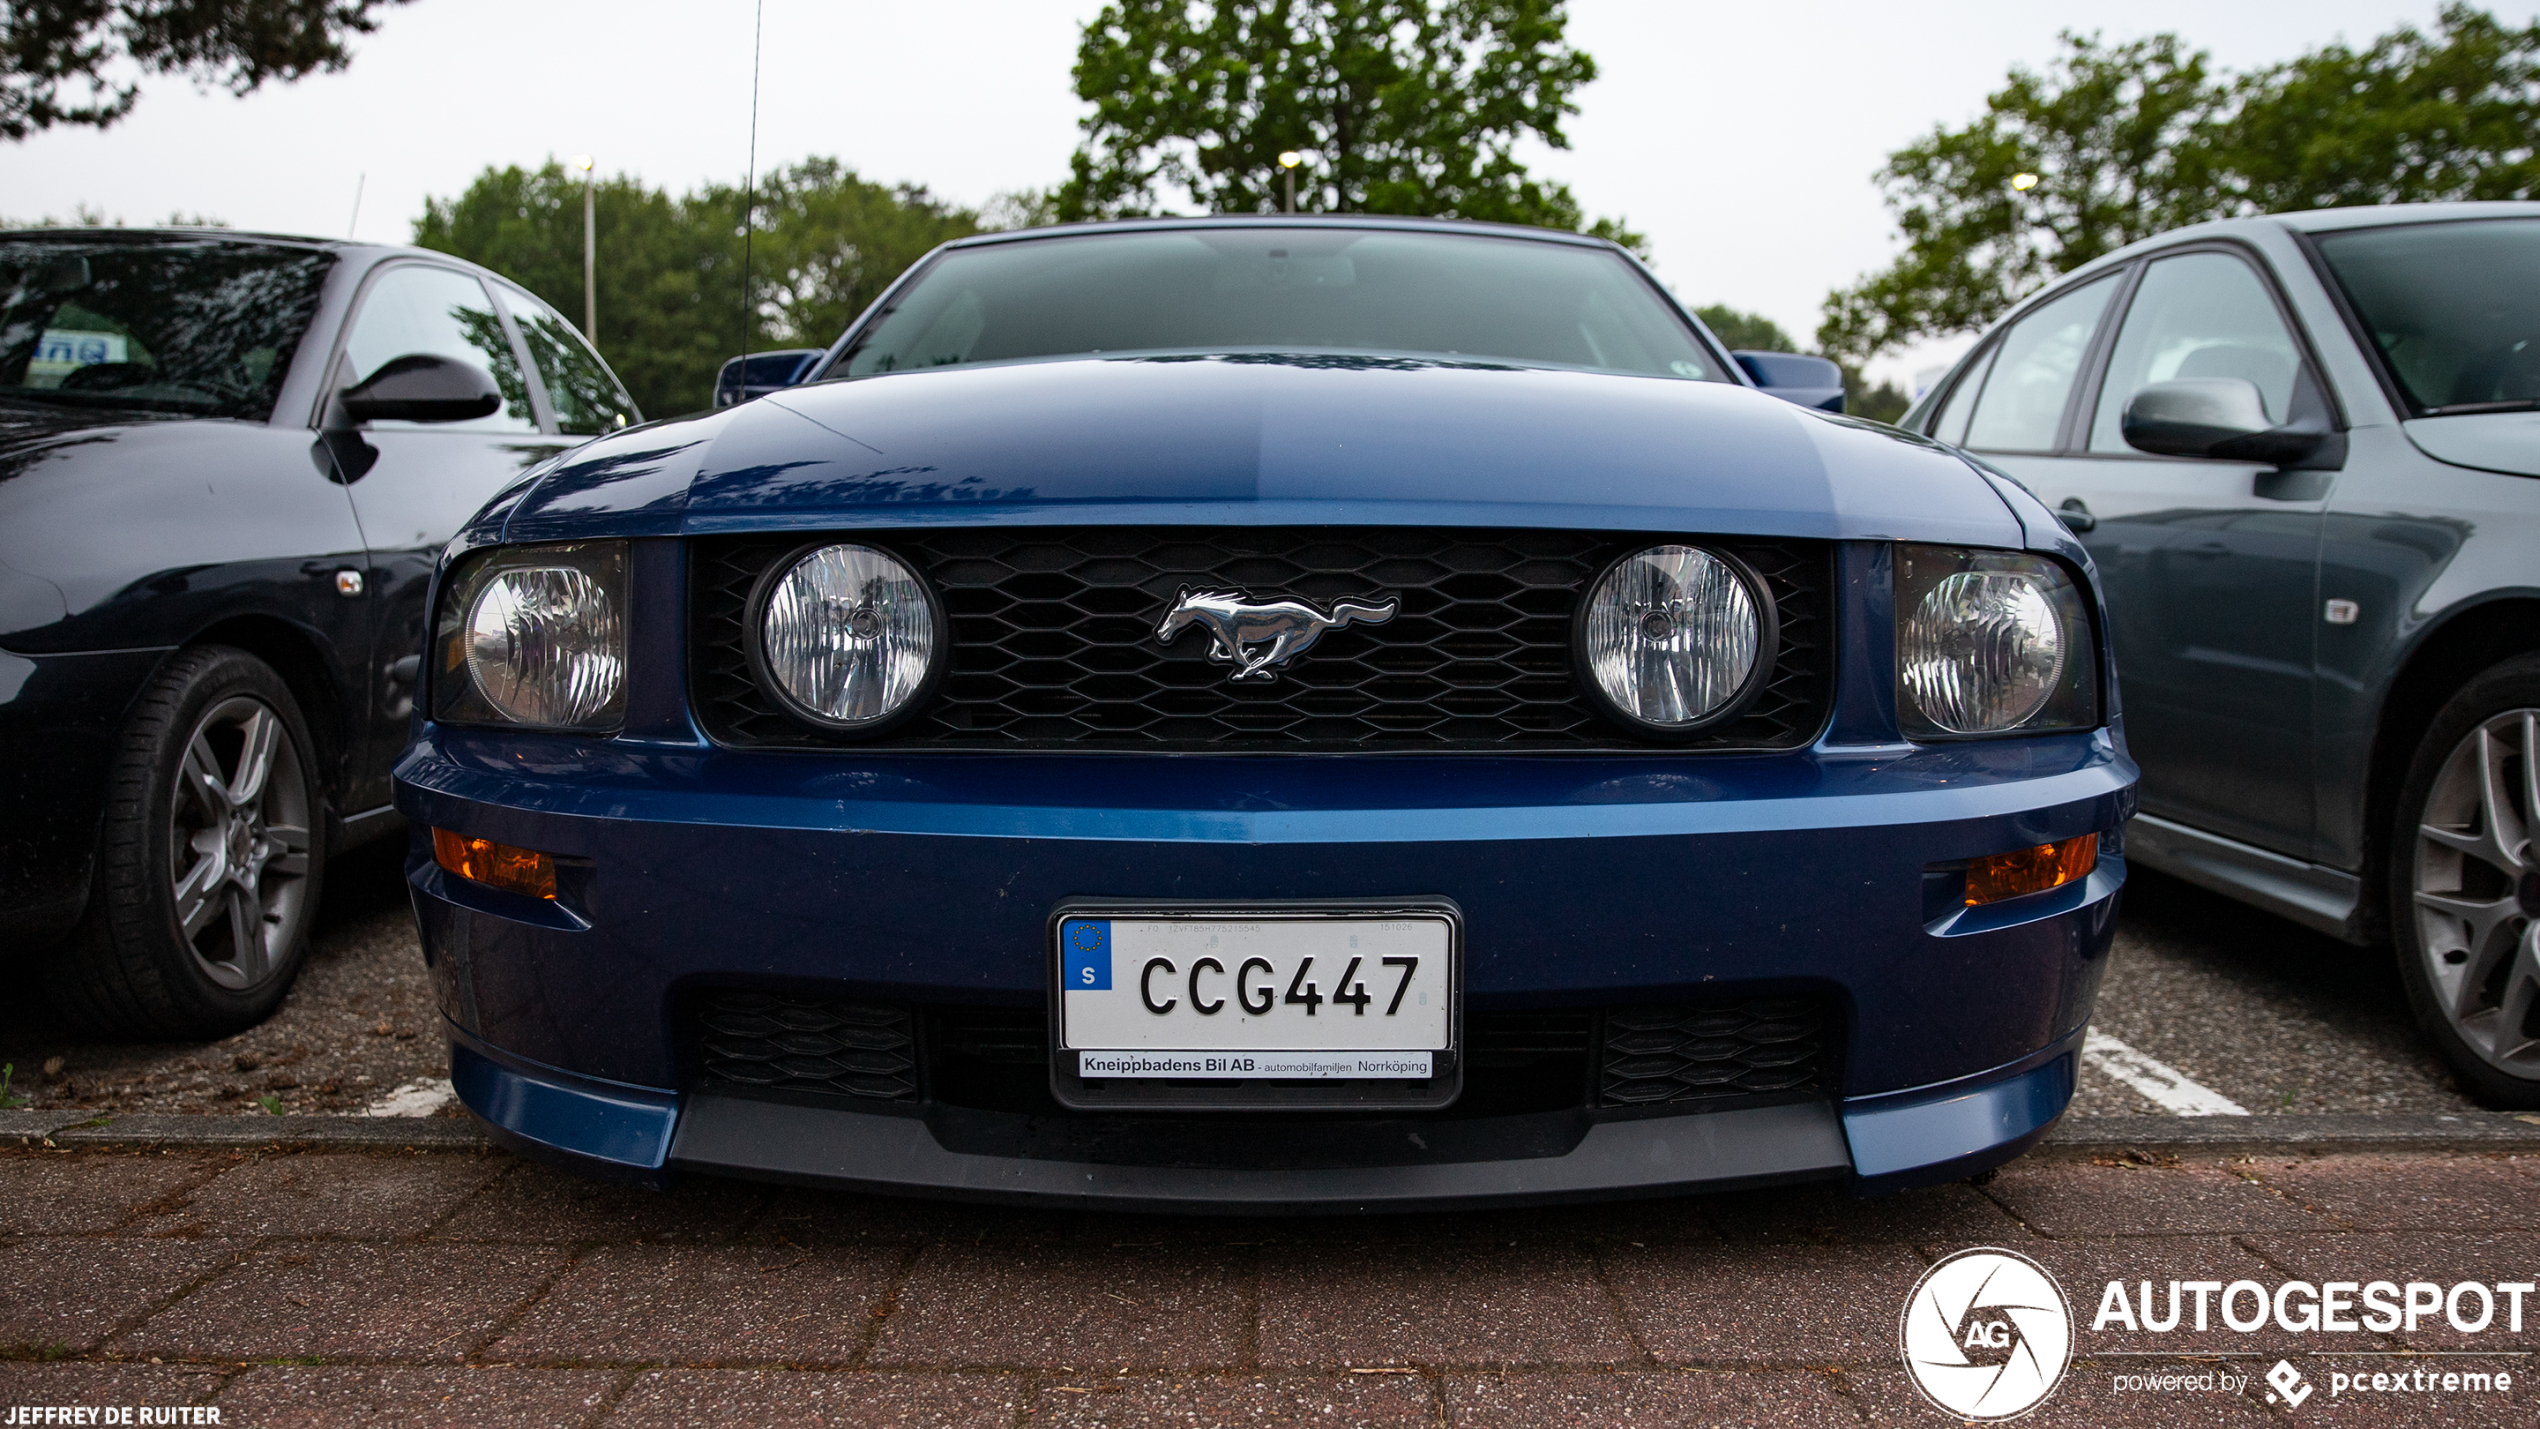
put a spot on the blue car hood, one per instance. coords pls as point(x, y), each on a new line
point(1268, 440)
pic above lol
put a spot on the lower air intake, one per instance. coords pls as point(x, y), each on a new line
point(1667, 1055)
point(852, 1049)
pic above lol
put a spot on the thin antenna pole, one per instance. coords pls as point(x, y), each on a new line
point(356, 220)
point(749, 201)
point(590, 264)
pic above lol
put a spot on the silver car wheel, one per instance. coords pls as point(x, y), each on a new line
point(2477, 890)
point(239, 842)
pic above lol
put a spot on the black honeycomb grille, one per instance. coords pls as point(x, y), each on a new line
point(1054, 641)
point(1675, 1058)
point(1662, 1055)
point(867, 1051)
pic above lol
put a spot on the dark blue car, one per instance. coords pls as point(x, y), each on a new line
point(1268, 713)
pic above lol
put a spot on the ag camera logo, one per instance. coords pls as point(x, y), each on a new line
point(1986, 1335)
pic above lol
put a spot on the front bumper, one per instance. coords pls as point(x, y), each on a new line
point(1585, 882)
point(1881, 1145)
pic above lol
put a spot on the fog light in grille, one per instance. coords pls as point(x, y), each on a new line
point(513, 870)
point(2031, 870)
point(1674, 640)
point(846, 637)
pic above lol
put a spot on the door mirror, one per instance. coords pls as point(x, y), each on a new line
point(760, 373)
point(1796, 377)
point(420, 387)
point(2213, 417)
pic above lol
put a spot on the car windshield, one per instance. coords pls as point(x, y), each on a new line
point(204, 326)
point(2454, 308)
point(1259, 288)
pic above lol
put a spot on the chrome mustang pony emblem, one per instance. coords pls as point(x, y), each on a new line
point(1235, 621)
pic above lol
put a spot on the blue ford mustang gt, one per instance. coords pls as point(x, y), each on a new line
point(1268, 714)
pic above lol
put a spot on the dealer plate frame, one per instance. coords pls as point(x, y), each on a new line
point(1444, 1084)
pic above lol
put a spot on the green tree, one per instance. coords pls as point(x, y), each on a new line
point(70, 61)
point(2117, 140)
point(2414, 118)
point(1399, 106)
point(2121, 142)
point(1751, 332)
point(828, 243)
point(1884, 403)
point(669, 273)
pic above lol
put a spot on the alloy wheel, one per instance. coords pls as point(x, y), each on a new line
point(239, 842)
point(2477, 891)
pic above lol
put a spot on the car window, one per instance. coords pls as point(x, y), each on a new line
point(1952, 426)
point(203, 326)
point(580, 387)
point(1280, 290)
point(2196, 315)
point(415, 308)
point(2454, 308)
point(2022, 403)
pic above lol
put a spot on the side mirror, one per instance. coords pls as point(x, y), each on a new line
point(2221, 417)
point(760, 373)
point(420, 387)
point(1796, 377)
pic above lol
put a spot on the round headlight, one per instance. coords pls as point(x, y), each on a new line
point(543, 646)
point(1675, 638)
point(1983, 651)
point(847, 637)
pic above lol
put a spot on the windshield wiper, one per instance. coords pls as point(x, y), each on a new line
point(2464, 409)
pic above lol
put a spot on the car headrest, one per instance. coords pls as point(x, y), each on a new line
point(2270, 370)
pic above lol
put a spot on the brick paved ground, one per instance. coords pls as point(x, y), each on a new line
point(466, 1288)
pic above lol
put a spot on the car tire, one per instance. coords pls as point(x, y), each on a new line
point(2465, 884)
point(211, 858)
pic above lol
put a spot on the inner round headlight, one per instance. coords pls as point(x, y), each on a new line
point(1673, 637)
point(543, 646)
point(1983, 651)
point(847, 636)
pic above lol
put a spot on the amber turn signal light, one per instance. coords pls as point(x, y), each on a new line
point(2031, 870)
point(513, 870)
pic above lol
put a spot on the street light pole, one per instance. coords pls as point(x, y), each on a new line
point(2021, 183)
point(590, 258)
point(1287, 165)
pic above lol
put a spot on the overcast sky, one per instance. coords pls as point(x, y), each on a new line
point(1739, 136)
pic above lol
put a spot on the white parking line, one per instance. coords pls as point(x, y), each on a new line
point(421, 1097)
point(2166, 1086)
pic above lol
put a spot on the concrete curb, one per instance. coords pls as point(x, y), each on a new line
point(26, 1128)
point(344, 1133)
point(2263, 1135)
point(2075, 1136)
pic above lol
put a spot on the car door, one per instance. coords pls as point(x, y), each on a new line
point(414, 484)
point(2209, 566)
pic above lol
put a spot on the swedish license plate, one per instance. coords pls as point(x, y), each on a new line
point(1339, 996)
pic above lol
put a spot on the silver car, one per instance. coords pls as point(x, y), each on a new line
point(2302, 450)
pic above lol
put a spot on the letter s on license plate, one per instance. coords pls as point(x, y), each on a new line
point(1306, 996)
